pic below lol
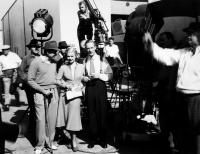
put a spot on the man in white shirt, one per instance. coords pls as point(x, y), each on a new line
point(9, 62)
point(97, 72)
point(112, 52)
point(187, 85)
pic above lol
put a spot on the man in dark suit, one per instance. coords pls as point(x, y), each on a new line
point(97, 72)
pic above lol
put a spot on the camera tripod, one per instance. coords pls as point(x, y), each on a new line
point(121, 86)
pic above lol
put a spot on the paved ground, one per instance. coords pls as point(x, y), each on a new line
point(132, 143)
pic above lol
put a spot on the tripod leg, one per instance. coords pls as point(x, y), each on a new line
point(113, 88)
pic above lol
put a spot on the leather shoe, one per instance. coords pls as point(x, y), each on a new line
point(75, 149)
point(103, 145)
point(37, 151)
point(69, 146)
point(90, 145)
point(54, 147)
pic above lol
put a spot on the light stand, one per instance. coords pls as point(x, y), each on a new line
point(41, 26)
point(101, 29)
point(41, 30)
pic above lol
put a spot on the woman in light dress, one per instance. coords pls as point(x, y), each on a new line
point(69, 77)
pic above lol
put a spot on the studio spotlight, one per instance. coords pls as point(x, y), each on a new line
point(42, 24)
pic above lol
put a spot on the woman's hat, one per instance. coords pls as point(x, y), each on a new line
point(33, 43)
point(62, 45)
point(51, 45)
point(193, 27)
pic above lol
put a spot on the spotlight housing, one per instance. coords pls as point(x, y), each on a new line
point(42, 23)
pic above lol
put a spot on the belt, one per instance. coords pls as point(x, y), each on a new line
point(92, 82)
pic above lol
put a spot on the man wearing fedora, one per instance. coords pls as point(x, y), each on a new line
point(62, 45)
point(9, 62)
point(42, 78)
point(33, 46)
point(187, 86)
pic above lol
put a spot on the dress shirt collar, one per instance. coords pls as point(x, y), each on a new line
point(93, 56)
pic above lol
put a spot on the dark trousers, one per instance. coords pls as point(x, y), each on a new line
point(167, 114)
point(82, 32)
point(2, 139)
point(8, 132)
point(96, 99)
point(30, 98)
point(189, 123)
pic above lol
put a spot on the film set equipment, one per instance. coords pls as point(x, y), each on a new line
point(139, 22)
point(122, 85)
point(101, 36)
point(101, 29)
point(42, 26)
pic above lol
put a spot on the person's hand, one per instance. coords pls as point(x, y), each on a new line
point(147, 37)
point(94, 76)
point(20, 85)
point(69, 87)
point(47, 92)
point(147, 40)
point(86, 79)
point(78, 55)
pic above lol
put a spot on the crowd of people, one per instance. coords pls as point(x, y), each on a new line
point(56, 84)
point(55, 93)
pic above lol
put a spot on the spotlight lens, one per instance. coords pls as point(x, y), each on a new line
point(39, 26)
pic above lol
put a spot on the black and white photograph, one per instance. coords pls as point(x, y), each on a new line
point(100, 76)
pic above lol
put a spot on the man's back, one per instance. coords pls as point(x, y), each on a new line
point(11, 61)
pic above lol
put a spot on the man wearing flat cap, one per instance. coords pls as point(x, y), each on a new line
point(187, 86)
point(42, 78)
point(33, 46)
point(9, 62)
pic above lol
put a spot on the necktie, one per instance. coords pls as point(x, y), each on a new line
point(92, 69)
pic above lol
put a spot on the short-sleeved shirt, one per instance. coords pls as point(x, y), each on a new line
point(112, 51)
point(10, 61)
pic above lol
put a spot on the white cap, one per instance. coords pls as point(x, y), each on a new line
point(2, 47)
